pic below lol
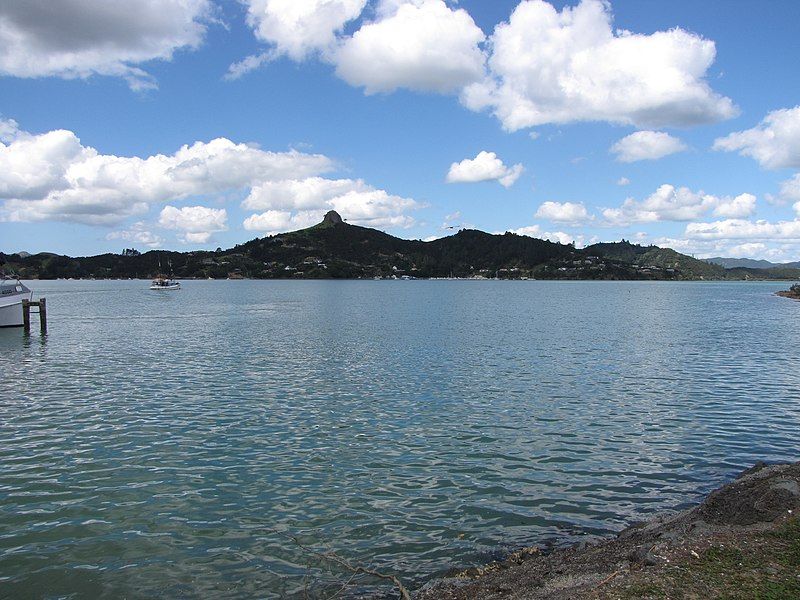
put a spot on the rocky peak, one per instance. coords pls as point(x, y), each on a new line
point(332, 218)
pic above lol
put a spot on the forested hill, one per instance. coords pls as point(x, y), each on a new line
point(654, 257)
point(334, 249)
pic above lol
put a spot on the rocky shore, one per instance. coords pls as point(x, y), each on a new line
point(793, 292)
point(742, 541)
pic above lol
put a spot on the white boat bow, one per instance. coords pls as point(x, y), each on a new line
point(12, 293)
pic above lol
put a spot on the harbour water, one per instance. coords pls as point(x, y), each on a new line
point(165, 444)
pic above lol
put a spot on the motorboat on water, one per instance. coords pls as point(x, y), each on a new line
point(12, 293)
point(162, 282)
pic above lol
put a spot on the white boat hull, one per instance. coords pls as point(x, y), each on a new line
point(177, 286)
point(11, 310)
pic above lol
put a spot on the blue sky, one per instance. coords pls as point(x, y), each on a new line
point(673, 123)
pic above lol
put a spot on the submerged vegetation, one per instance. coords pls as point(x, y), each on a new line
point(334, 249)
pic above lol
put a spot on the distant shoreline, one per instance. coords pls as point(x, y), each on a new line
point(784, 293)
point(334, 249)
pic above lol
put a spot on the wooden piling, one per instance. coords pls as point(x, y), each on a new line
point(43, 314)
point(26, 314)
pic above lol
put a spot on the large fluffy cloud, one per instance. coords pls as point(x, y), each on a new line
point(52, 176)
point(646, 145)
point(560, 237)
point(196, 222)
point(416, 44)
point(299, 28)
point(742, 229)
point(557, 67)
point(778, 241)
point(375, 208)
point(737, 207)
point(300, 194)
point(563, 212)
point(78, 38)
point(295, 204)
point(669, 203)
point(544, 66)
point(772, 250)
point(295, 29)
point(790, 190)
point(277, 221)
point(486, 166)
point(138, 233)
point(774, 143)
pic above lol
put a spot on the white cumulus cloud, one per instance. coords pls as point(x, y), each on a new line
point(421, 45)
point(486, 166)
point(738, 207)
point(52, 176)
point(375, 208)
point(670, 203)
point(416, 44)
point(137, 233)
point(295, 29)
point(560, 237)
point(9, 129)
point(357, 202)
point(277, 221)
point(299, 28)
point(80, 38)
point(563, 212)
point(548, 66)
point(790, 189)
point(301, 194)
point(646, 145)
point(742, 229)
point(779, 250)
point(774, 143)
point(194, 219)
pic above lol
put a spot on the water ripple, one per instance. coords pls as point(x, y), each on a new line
point(157, 445)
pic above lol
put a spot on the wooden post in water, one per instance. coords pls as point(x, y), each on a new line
point(26, 316)
point(43, 314)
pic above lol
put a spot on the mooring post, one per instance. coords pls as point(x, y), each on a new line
point(26, 316)
point(43, 314)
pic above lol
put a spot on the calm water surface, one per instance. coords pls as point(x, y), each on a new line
point(154, 442)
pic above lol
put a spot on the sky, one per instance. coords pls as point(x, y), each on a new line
point(193, 124)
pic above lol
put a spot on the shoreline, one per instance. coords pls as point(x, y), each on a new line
point(742, 540)
point(785, 294)
point(788, 294)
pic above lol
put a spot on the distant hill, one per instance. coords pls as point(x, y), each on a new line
point(749, 263)
point(334, 249)
point(654, 257)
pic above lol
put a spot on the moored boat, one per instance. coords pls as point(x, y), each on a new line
point(12, 293)
point(162, 282)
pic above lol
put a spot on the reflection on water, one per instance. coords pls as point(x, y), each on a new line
point(152, 444)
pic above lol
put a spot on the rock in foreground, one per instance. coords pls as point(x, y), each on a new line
point(742, 541)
